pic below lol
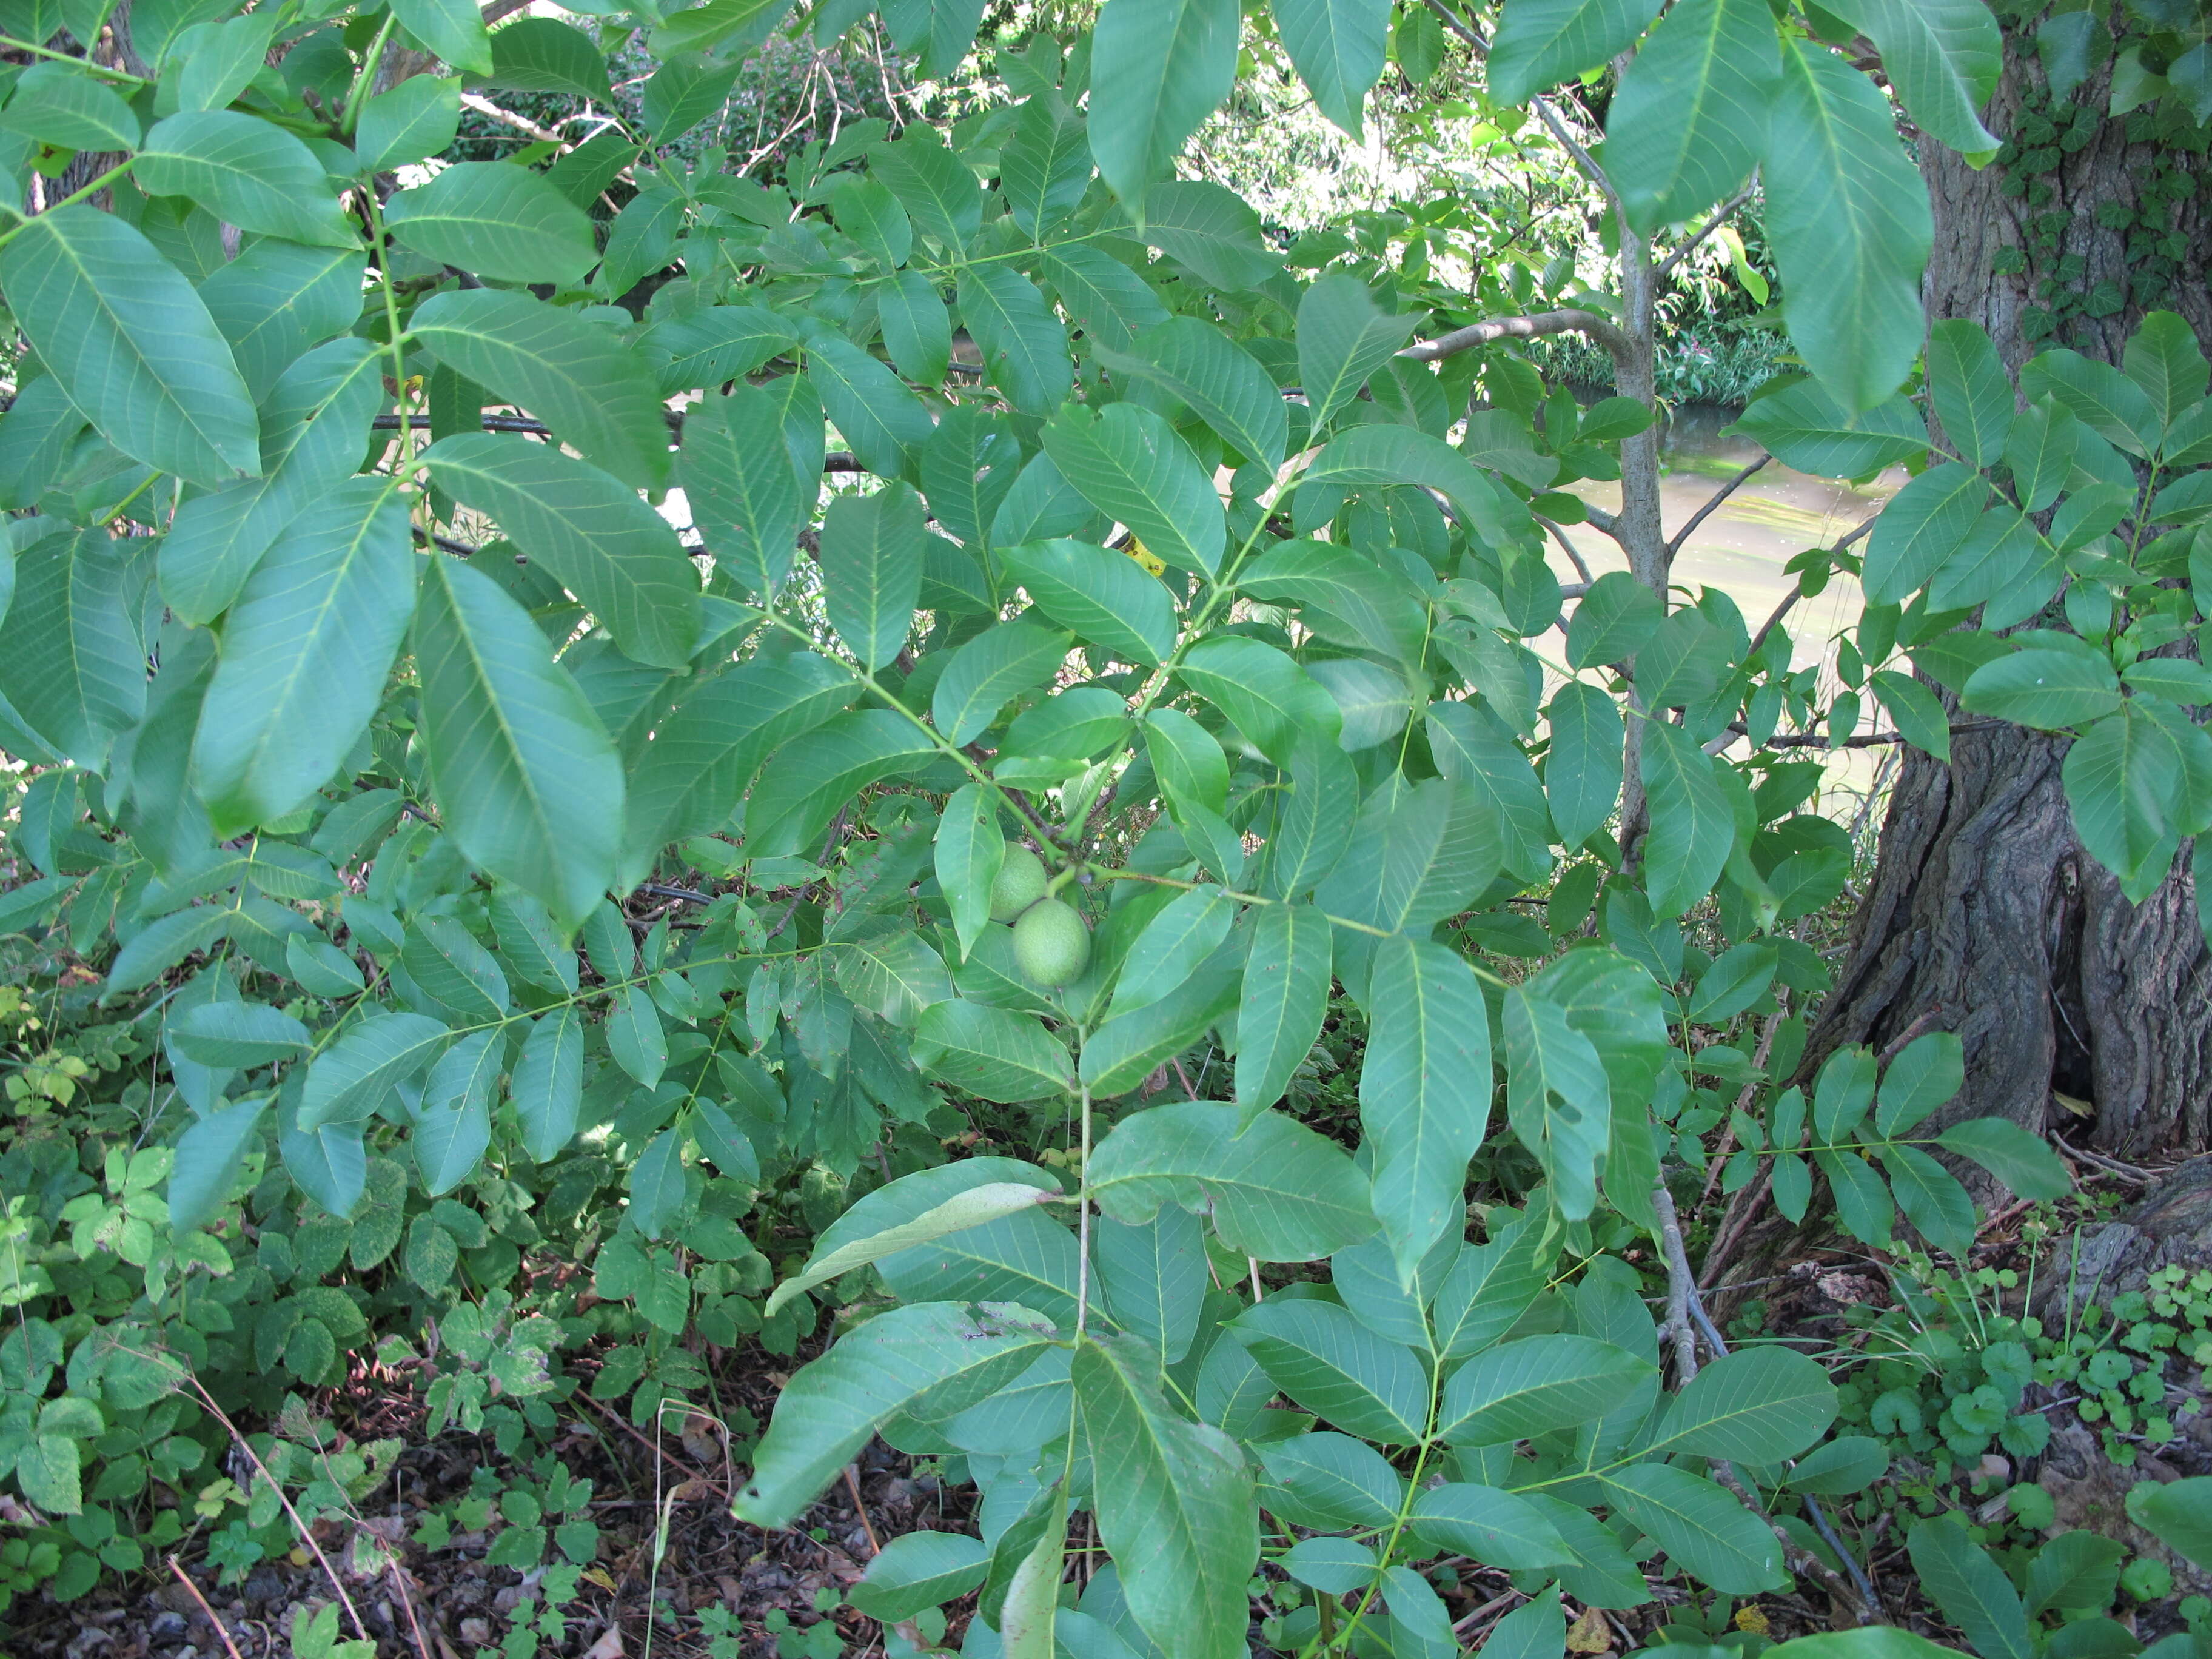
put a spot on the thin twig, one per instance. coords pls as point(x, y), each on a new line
point(1567, 547)
point(1567, 321)
point(276, 1486)
point(2111, 1166)
point(658, 1452)
point(1713, 506)
point(1720, 217)
point(484, 107)
point(182, 1578)
point(1758, 1059)
point(860, 1509)
point(399, 1582)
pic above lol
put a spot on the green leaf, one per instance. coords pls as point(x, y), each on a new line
point(2179, 1513)
point(1131, 464)
point(2043, 686)
point(695, 771)
point(1343, 337)
point(278, 298)
point(1172, 945)
point(804, 784)
point(1701, 1526)
point(1805, 427)
point(975, 1206)
point(1931, 1198)
point(2100, 397)
point(1540, 43)
point(529, 783)
point(61, 104)
point(1158, 68)
point(1495, 1528)
point(132, 344)
point(715, 345)
point(576, 376)
point(742, 492)
point(1848, 216)
point(1223, 383)
point(866, 403)
point(917, 328)
point(1534, 1386)
point(247, 173)
point(1106, 598)
point(1970, 391)
point(1155, 1278)
point(1929, 1071)
point(2024, 1162)
point(1919, 715)
point(829, 1410)
point(2164, 359)
point(547, 1087)
point(1270, 699)
point(162, 944)
point(871, 554)
point(1130, 1045)
point(1754, 1406)
point(1692, 827)
point(1023, 344)
point(634, 1036)
point(1583, 773)
point(1045, 165)
point(1973, 1590)
point(452, 1124)
point(1614, 621)
point(1275, 1189)
point(1108, 300)
point(990, 669)
point(1924, 524)
point(1687, 123)
point(453, 29)
point(1424, 1090)
point(591, 532)
point(314, 427)
point(1537, 1630)
point(918, 1571)
point(938, 189)
point(542, 54)
point(1328, 1480)
point(1416, 857)
point(1209, 228)
point(72, 666)
point(1478, 754)
point(1337, 1368)
point(354, 1076)
point(1338, 46)
point(504, 222)
point(1488, 1288)
point(701, 28)
point(2128, 779)
point(1942, 58)
point(992, 1051)
point(1174, 1504)
point(1284, 998)
point(970, 847)
point(305, 655)
point(210, 1156)
point(656, 1184)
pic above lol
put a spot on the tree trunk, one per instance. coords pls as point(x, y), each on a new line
point(1984, 917)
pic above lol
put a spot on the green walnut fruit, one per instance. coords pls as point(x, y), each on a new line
point(1051, 944)
point(1021, 883)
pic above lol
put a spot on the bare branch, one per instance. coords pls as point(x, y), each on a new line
point(1567, 547)
point(1603, 329)
point(485, 108)
point(1720, 217)
point(1713, 506)
point(1792, 596)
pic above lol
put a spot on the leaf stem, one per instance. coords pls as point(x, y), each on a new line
point(73, 198)
point(14, 45)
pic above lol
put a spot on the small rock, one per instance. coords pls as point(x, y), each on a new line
point(477, 1631)
point(187, 1652)
point(266, 1584)
point(508, 1599)
point(166, 1626)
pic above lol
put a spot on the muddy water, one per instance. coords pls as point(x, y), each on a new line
point(1742, 548)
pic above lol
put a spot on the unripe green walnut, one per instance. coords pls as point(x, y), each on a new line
point(1021, 883)
point(1051, 944)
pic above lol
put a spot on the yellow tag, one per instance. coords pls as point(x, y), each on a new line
point(1145, 556)
point(599, 1576)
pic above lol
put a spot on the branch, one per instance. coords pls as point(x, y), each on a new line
point(1815, 740)
point(1567, 548)
point(1603, 329)
point(484, 107)
point(1720, 217)
point(1794, 594)
point(1713, 506)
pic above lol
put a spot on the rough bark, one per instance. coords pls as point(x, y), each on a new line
point(1983, 912)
